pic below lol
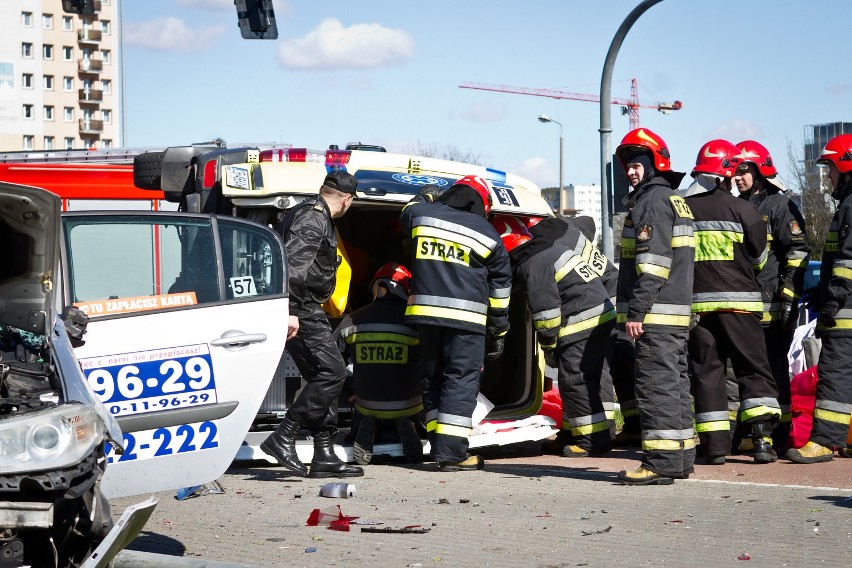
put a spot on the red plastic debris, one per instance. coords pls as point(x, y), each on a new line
point(331, 516)
point(744, 556)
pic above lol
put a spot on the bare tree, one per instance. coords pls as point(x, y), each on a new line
point(818, 206)
point(450, 153)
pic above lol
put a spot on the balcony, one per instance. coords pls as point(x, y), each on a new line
point(90, 126)
point(90, 66)
point(89, 36)
point(91, 96)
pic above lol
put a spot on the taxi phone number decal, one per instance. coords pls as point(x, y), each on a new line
point(166, 442)
point(149, 381)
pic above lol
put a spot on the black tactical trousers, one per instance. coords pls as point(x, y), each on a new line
point(664, 403)
point(834, 392)
point(452, 361)
point(322, 367)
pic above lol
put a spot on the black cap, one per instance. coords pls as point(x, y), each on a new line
point(341, 181)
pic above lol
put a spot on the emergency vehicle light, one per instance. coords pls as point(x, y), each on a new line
point(297, 155)
point(209, 173)
point(275, 155)
point(337, 158)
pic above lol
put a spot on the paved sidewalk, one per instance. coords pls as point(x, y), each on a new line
point(523, 510)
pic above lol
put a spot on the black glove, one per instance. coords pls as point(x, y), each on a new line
point(494, 347)
point(789, 316)
point(827, 313)
point(550, 358)
point(430, 192)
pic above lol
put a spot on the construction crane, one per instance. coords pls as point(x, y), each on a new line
point(629, 106)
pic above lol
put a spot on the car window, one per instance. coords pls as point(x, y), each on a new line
point(122, 263)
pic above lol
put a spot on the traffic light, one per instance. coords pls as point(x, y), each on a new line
point(81, 7)
point(256, 19)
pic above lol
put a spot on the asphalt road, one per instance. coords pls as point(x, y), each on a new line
point(524, 509)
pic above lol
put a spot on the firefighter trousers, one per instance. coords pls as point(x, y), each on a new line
point(583, 415)
point(323, 369)
point(834, 392)
point(777, 346)
point(620, 355)
point(718, 337)
point(452, 361)
point(664, 403)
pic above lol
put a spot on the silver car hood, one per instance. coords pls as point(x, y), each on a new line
point(29, 233)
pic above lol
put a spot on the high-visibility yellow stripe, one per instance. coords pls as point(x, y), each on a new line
point(660, 319)
point(686, 241)
point(670, 445)
point(444, 235)
point(648, 268)
point(795, 262)
point(382, 336)
point(734, 306)
point(431, 425)
point(714, 426)
point(628, 247)
point(389, 414)
point(569, 265)
point(716, 245)
point(757, 411)
point(498, 302)
point(452, 430)
point(446, 313)
point(842, 272)
point(831, 416)
point(589, 428)
point(586, 324)
point(548, 323)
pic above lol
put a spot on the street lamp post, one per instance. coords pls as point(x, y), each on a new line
point(562, 205)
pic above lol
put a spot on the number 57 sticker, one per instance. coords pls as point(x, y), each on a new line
point(243, 286)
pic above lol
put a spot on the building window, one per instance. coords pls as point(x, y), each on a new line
point(105, 56)
point(69, 114)
point(107, 114)
point(106, 85)
point(48, 142)
point(105, 27)
point(47, 21)
point(47, 51)
point(27, 49)
point(28, 111)
point(67, 53)
point(27, 19)
point(47, 80)
point(67, 24)
point(68, 84)
point(27, 80)
point(69, 143)
point(28, 141)
point(88, 143)
point(48, 112)
point(106, 143)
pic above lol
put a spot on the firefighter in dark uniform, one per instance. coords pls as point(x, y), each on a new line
point(730, 245)
point(384, 353)
point(462, 281)
point(654, 297)
point(311, 246)
point(782, 277)
point(834, 389)
point(573, 316)
point(578, 234)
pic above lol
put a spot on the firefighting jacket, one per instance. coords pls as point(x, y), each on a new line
point(460, 269)
point(384, 353)
point(730, 245)
point(783, 275)
point(567, 232)
point(835, 277)
point(566, 296)
point(311, 247)
point(655, 274)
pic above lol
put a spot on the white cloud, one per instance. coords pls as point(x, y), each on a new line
point(540, 171)
point(483, 112)
point(361, 46)
point(736, 130)
point(171, 34)
point(840, 89)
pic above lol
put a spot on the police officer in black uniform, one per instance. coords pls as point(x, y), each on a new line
point(311, 246)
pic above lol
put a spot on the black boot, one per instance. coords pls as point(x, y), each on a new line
point(762, 435)
point(281, 445)
point(326, 463)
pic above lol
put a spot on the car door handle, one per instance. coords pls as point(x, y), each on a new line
point(237, 340)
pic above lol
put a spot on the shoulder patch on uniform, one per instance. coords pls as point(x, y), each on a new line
point(794, 227)
point(844, 231)
point(644, 233)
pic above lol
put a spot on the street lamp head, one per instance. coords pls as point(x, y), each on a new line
point(544, 118)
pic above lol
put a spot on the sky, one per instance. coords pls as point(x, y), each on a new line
point(387, 72)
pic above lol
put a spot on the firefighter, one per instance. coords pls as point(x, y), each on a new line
point(834, 388)
point(578, 233)
point(782, 277)
point(460, 304)
point(654, 296)
point(311, 246)
point(384, 353)
point(573, 316)
point(730, 243)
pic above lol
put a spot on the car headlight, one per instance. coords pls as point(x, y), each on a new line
point(52, 438)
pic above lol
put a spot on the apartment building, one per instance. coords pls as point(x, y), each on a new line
point(59, 76)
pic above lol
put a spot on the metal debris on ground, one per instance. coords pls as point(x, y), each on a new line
point(413, 529)
point(196, 490)
point(606, 530)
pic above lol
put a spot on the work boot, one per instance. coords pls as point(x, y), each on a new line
point(471, 463)
point(746, 445)
point(281, 445)
point(555, 446)
point(845, 452)
point(573, 451)
point(362, 446)
point(642, 476)
point(761, 435)
point(412, 445)
point(810, 453)
point(714, 459)
point(325, 462)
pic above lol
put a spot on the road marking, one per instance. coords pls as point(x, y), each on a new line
point(756, 484)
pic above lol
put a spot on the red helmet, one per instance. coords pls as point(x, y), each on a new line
point(642, 139)
point(718, 158)
point(395, 277)
point(757, 154)
point(482, 186)
point(513, 232)
point(531, 222)
point(838, 151)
